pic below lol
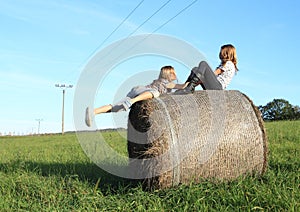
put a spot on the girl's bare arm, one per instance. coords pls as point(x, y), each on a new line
point(177, 86)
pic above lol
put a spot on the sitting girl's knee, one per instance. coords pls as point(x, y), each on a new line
point(203, 63)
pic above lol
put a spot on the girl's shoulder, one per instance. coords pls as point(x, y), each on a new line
point(160, 81)
point(228, 66)
point(229, 63)
point(163, 81)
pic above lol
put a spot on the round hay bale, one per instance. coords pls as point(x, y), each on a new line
point(179, 139)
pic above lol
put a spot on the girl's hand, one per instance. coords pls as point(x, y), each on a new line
point(177, 86)
point(218, 71)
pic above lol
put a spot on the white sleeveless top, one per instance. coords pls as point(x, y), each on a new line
point(228, 72)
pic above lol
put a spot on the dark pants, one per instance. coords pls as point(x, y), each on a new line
point(207, 76)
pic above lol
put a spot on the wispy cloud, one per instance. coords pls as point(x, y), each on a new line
point(17, 80)
point(15, 56)
point(41, 12)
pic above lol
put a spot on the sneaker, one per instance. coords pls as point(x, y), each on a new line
point(88, 118)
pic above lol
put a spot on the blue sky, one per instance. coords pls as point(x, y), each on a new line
point(47, 42)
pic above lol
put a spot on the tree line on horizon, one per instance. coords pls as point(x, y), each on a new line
point(279, 109)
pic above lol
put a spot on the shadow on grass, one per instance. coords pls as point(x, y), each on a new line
point(85, 172)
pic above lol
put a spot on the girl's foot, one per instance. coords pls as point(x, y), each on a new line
point(88, 117)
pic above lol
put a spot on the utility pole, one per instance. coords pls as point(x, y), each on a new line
point(63, 87)
point(39, 124)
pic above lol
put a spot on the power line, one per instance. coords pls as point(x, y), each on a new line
point(177, 14)
point(158, 28)
point(159, 9)
point(125, 19)
point(169, 20)
point(136, 29)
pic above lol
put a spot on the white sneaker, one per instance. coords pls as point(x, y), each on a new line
point(88, 118)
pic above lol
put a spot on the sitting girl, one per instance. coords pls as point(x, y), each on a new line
point(213, 80)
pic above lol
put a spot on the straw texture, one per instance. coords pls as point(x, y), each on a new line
point(179, 139)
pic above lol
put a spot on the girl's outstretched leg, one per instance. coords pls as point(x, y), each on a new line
point(126, 103)
point(121, 106)
point(103, 109)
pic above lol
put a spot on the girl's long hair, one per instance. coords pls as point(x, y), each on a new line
point(228, 53)
point(166, 72)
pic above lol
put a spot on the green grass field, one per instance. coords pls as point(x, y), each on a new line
point(52, 173)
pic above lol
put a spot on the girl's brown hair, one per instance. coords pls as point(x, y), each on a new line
point(228, 53)
point(166, 72)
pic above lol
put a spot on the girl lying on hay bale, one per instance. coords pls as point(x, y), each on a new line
point(164, 84)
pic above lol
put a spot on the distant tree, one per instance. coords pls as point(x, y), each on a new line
point(279, 109)
point(297, 112)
